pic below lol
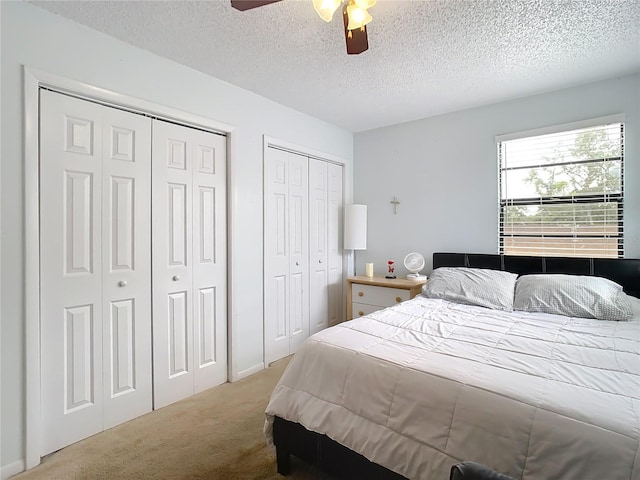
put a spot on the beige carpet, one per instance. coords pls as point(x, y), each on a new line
point(214, 435)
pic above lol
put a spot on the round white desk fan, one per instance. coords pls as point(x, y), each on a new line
point(414, 262)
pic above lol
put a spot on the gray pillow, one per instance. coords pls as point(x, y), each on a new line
point(472, 286)
point(573, 296)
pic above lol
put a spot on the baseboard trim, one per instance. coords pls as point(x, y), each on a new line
point(247, 371)
point(12, 469)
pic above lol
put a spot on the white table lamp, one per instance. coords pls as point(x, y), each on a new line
point(355, 229)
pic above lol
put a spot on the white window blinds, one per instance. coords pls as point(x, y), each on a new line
point(561, 194)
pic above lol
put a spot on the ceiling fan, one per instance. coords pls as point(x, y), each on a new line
point(354, 16)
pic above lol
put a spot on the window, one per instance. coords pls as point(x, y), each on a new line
point(561, 193)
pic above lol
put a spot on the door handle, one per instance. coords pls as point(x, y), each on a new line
point(122, 283)
point(176, 278)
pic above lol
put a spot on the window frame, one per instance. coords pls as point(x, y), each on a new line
point(617, 198)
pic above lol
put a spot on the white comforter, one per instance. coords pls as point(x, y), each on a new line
point(427, 383)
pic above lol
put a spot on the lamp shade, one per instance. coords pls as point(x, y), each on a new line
point(326, 8)
point(355, 227)
point(358, 17)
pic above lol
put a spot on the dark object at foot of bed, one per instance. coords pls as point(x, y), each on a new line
point(475, 471)
point(323, 453)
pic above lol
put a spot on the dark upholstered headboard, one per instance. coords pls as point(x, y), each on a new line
point(624, 271)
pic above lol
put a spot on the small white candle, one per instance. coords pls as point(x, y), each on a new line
point(368, 269)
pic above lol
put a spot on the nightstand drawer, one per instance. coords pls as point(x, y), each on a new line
point(360, 309)
point(368, 294)
point(380, 296)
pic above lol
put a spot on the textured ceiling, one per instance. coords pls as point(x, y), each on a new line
point(425, 57)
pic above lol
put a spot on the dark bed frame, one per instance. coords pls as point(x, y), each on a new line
point(335, 459)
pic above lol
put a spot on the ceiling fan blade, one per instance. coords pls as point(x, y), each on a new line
point(357, 40)
point(243, 5)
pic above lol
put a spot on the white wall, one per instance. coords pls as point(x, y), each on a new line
point(0, 251)
point(444, 171)
point(41, 40)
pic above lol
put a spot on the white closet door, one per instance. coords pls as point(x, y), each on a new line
point(318, 258)
point(209, 258)
point(126, 266)
point(95, 348)
point(172, 270)
point(286, 253)
point(298, 251)
point(189, 261)
point(276, 254)
point(71, 270)
point(334, 243)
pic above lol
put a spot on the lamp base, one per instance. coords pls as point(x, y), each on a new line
point(416, 277)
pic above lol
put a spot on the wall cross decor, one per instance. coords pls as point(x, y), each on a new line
point(395, 203)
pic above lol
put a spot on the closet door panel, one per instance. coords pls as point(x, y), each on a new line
point(299, 251)
point(209, 258)
point(276, 254)
point(172, 270)
point(71, 270)
point(334, 243)
point(318, 258)
point(126, 266)
point(207, 347)
point(122, 323)
point(178, 327)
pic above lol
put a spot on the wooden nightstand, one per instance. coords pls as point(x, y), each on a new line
point(368, 294)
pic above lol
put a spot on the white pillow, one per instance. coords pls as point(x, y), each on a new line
point(573, 296)
point(472, 286)
point(635, 307)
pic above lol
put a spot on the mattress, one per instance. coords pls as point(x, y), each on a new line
point(427, 383)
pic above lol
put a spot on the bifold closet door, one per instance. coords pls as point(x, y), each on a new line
point(286, 251)
point(318, 243)
point(325, 244)
point(335, 224)
point(95, 318)
point(189, 261)
point(298, 251)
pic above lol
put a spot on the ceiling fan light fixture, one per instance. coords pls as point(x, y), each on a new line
point(358, 17)
point(326, 8)
point(355, 17)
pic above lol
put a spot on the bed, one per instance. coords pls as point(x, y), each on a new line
point(408, 391)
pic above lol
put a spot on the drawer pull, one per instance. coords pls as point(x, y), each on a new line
point(361, 313)
point(360, 294)
point(398, 299)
